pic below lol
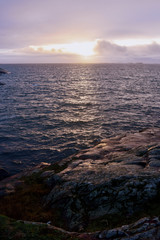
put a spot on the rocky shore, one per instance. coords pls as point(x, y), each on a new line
point(100, 189)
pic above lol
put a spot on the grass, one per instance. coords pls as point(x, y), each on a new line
point(13, 230)
point(27, 202)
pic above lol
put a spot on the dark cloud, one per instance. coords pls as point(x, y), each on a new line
point(105, 47)
point(146, 50)
point(115, 53)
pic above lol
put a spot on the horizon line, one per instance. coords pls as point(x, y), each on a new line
point(82, 63)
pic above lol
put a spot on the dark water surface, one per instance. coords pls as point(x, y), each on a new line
point(50, 111)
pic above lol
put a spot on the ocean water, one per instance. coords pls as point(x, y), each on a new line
point(51, 111)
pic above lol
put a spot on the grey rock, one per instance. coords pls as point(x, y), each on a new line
point(95, 185)
point(145, 228)
point(110, 234)
point(53, 180)
point(155, 151)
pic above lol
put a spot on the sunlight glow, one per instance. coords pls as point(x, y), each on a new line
point(85, 49)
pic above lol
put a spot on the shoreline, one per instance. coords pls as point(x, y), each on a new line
point(91, 191)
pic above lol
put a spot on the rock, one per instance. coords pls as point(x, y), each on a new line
point(155, 151)
point(53, 180)
point(154, 163)
point(115, 177)
point(47, 174)
point(145, 228)
point(3, 71)
point(111, 234)
point(9, 184)
point(3, 174)
point(1, 84)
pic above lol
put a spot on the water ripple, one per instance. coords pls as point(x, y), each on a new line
point(50, 111)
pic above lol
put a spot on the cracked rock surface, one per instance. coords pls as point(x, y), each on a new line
point(118, 176)
point(145, 228)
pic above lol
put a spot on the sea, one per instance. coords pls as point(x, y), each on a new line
point(51, 111)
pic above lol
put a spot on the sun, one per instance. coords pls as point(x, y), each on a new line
point(85, 49)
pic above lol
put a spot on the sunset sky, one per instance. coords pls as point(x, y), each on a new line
point(66, 31)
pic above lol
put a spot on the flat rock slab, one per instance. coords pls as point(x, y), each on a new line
point(132, 155)
point(119, 175)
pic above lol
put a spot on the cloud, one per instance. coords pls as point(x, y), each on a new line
point(30, 55)
point(151, 50)
point(110, 52)
point(106, 47)
point(105, 51)
point(35, 22)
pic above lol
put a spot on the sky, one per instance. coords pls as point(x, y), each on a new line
point(79, 31)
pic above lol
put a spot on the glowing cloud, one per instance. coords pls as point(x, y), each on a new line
point(85, 49)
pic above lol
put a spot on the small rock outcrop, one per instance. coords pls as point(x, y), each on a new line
point(118, 176)
point(3, 71)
